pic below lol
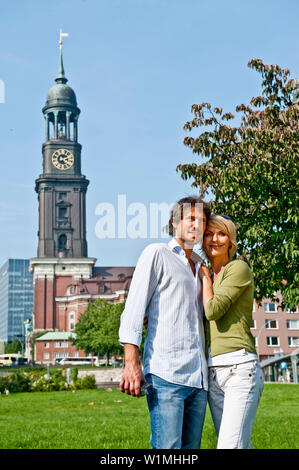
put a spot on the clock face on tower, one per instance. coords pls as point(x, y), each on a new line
point(63, 159)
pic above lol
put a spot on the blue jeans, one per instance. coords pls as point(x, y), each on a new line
point(177, 414)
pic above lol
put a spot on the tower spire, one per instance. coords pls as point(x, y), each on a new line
point(61, 78)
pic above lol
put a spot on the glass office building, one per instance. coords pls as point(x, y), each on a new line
point(16, 299)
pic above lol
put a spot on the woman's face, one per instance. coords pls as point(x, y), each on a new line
point(215, 242)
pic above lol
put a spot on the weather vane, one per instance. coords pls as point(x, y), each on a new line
point(62, 35)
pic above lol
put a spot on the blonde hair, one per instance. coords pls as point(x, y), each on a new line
point(227, 226)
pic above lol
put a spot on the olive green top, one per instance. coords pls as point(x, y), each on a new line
point(230, 310)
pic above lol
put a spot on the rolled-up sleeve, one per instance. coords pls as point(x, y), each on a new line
point(235, 280)
point(144, 282)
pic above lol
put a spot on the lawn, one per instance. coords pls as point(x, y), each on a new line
point(108, 419)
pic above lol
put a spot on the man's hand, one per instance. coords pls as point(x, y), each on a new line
point(132, 378)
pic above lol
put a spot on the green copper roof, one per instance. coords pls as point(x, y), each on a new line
point(60, 77)
point(61, 94)
point(57, 336)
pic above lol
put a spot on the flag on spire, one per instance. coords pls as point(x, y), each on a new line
point(62, 35)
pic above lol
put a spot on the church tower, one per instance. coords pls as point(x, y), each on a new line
point(61, 189)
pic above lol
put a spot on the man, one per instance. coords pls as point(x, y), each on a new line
point(167, 290)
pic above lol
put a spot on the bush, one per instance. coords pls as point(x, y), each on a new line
point(74, 373)
point(39, 381)
point(86, 383)
point(16, 382)
point(4, 383)
point(44, 383)
point(19, 383)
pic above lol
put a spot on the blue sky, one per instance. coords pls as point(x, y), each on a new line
point(136, 67)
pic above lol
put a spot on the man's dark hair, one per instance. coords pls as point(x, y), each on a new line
point(178, 209)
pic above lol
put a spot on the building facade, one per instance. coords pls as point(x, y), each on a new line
point(108, 283)
point(56, 345)
point(276, 331)
point(16, 300)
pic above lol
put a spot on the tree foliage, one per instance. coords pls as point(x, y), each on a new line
point(251, 170)
point(97, 328)
point(13, 348)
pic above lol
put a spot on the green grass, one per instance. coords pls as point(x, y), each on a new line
point(65, 420)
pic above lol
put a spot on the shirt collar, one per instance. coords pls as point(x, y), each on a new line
point(176, 248)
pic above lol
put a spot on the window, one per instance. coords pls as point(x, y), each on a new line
point(46, 345)
point(62, 211)
point(269, 307)
point(61, 344)
point(101, 289)
point(46, 356)
point(293, 341)
point(253, 325)
point(62, 195)
point(71, 320)
point(60, 355)
point(271, 324)
point(253, 307)
point(293, 324)
point(272, 341)
point(62, 240)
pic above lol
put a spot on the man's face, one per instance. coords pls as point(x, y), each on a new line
point(192, 225)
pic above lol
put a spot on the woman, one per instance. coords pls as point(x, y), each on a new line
point(235, 377)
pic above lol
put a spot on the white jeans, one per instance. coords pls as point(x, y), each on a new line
point(234, 394)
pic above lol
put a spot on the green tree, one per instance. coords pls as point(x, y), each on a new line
point(13, 348)
point(97, 328)
point(251, 170)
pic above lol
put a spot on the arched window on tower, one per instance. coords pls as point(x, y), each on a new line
point(51, 126)
point(61, 134)
point(62, 242)
point(61, 122)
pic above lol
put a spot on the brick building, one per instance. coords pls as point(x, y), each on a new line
point(276, 331)
point(54, 345)
point(71, 300)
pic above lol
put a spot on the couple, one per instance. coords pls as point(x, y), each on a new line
point(198, 345)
